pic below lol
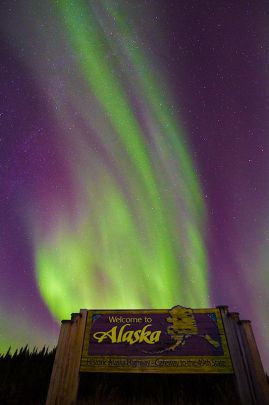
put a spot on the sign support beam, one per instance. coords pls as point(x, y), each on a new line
point(250, 377)
point(64, 380)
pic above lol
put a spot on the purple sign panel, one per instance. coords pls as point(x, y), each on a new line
point(193, 339)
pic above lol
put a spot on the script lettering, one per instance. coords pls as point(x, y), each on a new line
point(120, 335)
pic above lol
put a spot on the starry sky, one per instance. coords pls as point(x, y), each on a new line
point(133, 160)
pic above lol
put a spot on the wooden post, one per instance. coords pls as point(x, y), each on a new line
point(76, 341)
point(256, 371)
point(241, 376)
point(65, 373)
point(59, 365)
point(243, 354)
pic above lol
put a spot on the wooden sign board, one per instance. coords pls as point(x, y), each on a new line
point(179, 340)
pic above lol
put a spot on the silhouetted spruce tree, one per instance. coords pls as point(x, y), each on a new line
point(25, 375)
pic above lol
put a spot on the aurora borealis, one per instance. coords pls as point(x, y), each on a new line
point(134, 160)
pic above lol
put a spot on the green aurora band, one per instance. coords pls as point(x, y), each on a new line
point(136, 240)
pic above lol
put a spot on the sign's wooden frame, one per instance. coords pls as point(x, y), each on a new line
point(250, 378)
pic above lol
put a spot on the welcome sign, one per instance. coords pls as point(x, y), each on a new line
point(179, 340)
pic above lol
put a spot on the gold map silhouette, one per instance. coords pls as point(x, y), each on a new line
point(183, 326)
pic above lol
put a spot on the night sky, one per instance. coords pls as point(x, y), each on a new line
point(134, 160)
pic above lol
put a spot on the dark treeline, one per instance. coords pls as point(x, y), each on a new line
point(156, 389)
point(25, 375)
